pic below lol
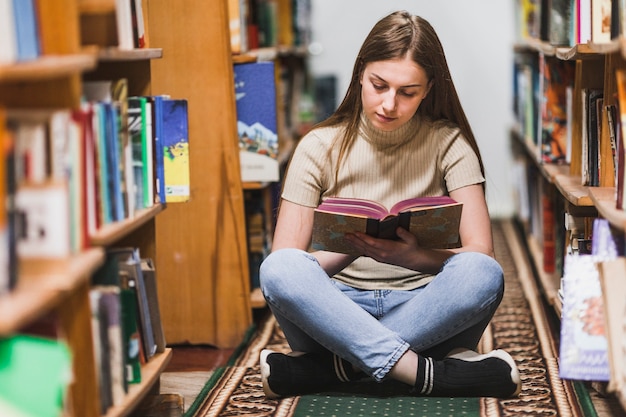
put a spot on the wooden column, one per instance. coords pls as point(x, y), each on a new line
point(202, 260)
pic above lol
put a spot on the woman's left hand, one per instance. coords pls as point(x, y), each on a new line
point(403, 252)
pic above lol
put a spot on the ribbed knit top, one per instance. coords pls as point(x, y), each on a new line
point(421, 158)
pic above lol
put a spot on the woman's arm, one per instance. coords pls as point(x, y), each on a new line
point(294, 228)
point(475, 231)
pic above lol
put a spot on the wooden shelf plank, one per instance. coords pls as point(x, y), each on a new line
point(111, 233)
point(96, 6)
point(150, 374)
point(604, 200)
point(140, 54)
point(43, 285)
point(570, 187)
point(47, 67)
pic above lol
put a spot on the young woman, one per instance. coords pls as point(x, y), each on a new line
point(399, 311)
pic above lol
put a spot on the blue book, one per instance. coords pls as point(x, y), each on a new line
point(113, 161)
point(175, 143)
point(255, 93)
point(104, 200)
point(26, 30)
point(157, 124)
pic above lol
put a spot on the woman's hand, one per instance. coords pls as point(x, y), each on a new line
point(403, 252)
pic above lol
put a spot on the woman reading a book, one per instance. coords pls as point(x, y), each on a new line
point(398, 311)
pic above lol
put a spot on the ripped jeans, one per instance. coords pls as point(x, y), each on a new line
point(372, 329)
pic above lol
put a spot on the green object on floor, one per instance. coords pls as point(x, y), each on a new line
point(320, 405)
point(34, 374)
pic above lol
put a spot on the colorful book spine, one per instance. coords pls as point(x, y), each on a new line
point(175, 143)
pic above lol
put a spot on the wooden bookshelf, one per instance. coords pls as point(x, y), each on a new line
point(58, 289)
point(596, 64)
point(150, 374)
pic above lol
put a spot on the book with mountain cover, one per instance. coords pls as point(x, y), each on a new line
point(433, 220)
point(255, 93)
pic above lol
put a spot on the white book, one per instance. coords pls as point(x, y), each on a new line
point(8, 43)
point(124, 20)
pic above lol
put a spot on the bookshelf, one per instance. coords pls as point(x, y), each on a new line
point(59, 288)
point(595, 67)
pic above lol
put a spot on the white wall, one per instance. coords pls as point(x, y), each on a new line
point(477, 37)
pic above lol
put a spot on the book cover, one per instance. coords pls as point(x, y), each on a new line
point(175, 143)
point(255, 93)
point(558, 76)
point(434, 220)
point(583, 346)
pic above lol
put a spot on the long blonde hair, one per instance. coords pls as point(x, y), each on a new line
point(398, 35)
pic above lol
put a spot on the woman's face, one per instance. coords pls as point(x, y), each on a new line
point(392, 91)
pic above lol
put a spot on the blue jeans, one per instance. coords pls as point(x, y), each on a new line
point(372, 329)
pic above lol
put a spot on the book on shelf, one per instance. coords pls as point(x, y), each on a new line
point(255, 93)
point(237, 26)
point(556, 76)
point(8, 45)
point(433, 220)
point(139, 28)
point(583, 343)
point(601, 21)
point(561, 21)
point(124, 24)
point(620, 124)
point(129, 264)
point(26, 29)
point(36, 378)
point(99, 334)
point(130, 335)
point(139, 127)
point(175, 144)
point(151, 283)
point(613, 287)
point(115, 361)
point(157, 146)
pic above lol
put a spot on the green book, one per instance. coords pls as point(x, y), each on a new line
point(33, 367)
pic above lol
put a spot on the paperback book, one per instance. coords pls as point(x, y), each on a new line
point(433, 220)
point(255, 91)
point(584, 347)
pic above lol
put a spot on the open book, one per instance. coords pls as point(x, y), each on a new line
point(434, 220)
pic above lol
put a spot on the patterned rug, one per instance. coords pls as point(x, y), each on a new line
point(519, 326)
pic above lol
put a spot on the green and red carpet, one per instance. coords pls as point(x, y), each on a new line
point(519, 326)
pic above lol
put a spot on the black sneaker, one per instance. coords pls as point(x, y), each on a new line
point(298, 374)
point(465, 373)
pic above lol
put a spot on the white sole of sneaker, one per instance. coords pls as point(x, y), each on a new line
point(265, 374)
point(471, 356)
